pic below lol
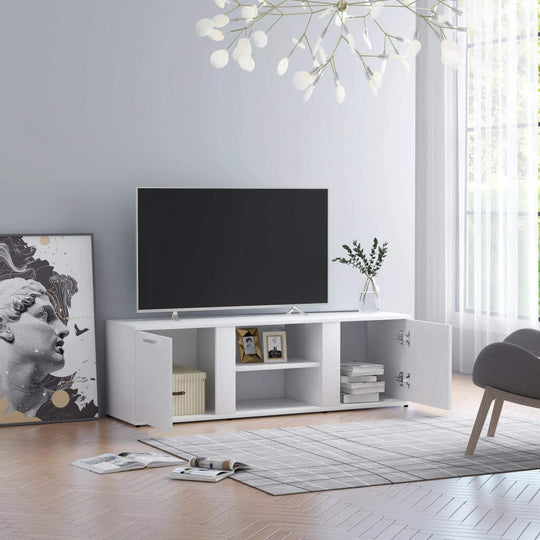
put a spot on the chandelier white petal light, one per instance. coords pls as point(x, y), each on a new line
point(328, 27)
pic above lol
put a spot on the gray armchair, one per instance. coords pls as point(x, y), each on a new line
point(508, 370)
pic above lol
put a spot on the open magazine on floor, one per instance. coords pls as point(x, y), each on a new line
point(126, 461)
point(203, 469)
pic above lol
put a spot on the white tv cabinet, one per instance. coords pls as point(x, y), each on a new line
point(141, 353)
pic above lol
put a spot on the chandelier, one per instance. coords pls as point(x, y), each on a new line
point(327, 27)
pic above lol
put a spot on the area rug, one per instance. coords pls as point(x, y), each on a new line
point(318, 458)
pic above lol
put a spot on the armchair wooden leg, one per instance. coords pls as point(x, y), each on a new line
point(479, 422)
point(495, 415)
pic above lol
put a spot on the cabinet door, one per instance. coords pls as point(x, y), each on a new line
point(421, 353)
point(153, 386)
point(383, 347)
point(429, 361)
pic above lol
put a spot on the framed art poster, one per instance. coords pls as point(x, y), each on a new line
point(47, 329)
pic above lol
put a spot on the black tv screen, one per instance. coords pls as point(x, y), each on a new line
point(219, 248)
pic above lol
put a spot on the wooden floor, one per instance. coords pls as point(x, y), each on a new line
point(43, 496)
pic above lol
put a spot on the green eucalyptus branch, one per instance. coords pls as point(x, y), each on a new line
point(356, 257)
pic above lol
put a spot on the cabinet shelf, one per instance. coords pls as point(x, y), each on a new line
point(274, 406)
point(384, 401)
point(294, 364)
point(208, 415)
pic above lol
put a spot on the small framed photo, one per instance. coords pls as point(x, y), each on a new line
point(249, 346)
point(275, 346)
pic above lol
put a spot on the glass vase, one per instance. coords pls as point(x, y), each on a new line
point(370, 298)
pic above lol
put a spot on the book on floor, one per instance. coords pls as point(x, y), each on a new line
point(360, 398)
point(366, 386)
point(198, 474)
point(224, 464)
point(126, 461)
point(362, 368)
point(203, 469)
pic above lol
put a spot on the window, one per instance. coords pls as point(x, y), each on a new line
point(502, 156)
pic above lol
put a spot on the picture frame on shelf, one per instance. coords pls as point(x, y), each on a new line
point(47, 328)
point(249, 345)
point(275, 346)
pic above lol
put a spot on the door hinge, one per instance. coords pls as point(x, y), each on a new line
point(404, 379)
point(404, 338)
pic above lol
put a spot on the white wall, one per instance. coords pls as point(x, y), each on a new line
point(99, 97)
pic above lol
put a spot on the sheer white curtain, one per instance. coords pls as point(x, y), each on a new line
point(480, 257)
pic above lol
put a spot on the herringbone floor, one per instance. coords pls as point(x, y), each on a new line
point(43, 497)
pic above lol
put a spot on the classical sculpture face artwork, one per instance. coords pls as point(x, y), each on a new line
point(31, 343)
point(37, 383)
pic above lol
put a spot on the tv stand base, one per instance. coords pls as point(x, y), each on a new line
point(294, 310)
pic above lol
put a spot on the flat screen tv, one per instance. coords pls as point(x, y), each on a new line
point(230, 248)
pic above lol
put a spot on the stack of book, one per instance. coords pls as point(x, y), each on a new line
point(361, 382)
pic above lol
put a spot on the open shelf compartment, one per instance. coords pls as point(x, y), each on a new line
point(278, 389)
point(303, 343)
point(355, 347)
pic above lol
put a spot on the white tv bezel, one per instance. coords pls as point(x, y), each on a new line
point(214, 308)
